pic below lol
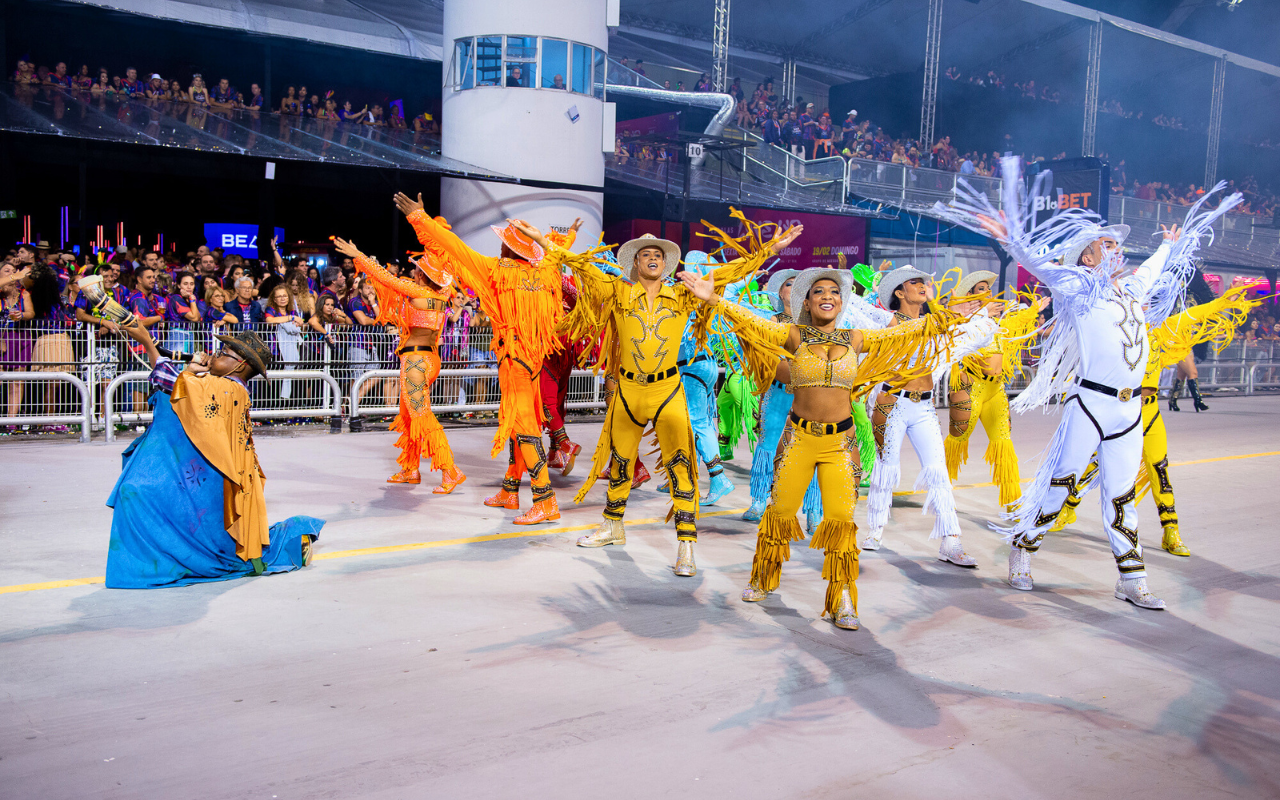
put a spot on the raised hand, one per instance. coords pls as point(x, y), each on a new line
point(529, 230)
point(577, 224)
point(780, 242)
point(1171, 234)
point(407, 204)
point(702, 287)
point(997, 228)
point(346, 248)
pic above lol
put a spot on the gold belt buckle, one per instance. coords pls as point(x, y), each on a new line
point(914, 396)
point(1126, 395)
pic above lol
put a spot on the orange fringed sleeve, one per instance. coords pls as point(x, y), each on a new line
point(522, 299)
point(395, 293)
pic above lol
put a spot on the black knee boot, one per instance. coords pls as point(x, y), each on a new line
point(1174, 391)
point(1194, 386)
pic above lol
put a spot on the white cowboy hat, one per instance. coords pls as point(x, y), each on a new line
point(965, 285)
point(805, 281)
point(627, 254)
point(893, 280)
point(1118, 232)
point(778, 278)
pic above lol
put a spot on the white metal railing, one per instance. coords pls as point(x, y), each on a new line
point(330, 407)
point(84, 419)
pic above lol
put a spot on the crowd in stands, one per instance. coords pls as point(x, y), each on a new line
point(299, 309)
point(223, 96)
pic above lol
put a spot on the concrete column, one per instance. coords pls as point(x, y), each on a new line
point(532, 132)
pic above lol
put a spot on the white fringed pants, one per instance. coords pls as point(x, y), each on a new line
point(916, 420)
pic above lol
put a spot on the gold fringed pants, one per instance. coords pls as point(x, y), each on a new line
point(420, 431)
point(836, 460)
point(974, 397)
point(633, 407)
point(1155, 458)
point(520, 419)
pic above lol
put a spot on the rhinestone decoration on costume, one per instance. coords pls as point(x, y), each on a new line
point(1133, 333)
point(211, 409)
point(649, 319)
point(810, 369)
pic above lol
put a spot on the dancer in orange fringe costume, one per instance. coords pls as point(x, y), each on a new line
point(418, 308)
point(520, 291)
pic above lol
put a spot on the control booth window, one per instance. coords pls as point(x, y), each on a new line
point(555, 64)
point(528, 62)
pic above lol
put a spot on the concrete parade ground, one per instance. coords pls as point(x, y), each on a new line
point(433, 649)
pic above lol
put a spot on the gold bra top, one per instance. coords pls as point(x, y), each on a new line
point(815, 369)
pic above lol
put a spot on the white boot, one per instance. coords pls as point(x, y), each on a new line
point(872, 540)
point(1020, 568)
point(609, 532)
point(952, 550)
point(1135, 591)
point(685, 567)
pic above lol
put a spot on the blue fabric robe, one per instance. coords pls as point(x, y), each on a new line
point(167, 529)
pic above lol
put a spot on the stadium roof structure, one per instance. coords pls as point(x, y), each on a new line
point(1043, 40)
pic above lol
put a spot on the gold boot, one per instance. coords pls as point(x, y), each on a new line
point(685, 567)
point(845, 617)
point(1172, 542)
point(753, 593)
point(1065, 517)
point(609, 532)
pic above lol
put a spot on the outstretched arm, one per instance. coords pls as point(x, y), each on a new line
point(378, 273)
point(763, 340)
point(473, 268)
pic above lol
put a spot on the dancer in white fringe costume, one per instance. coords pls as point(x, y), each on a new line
point(909, 413)
point(1092, 361)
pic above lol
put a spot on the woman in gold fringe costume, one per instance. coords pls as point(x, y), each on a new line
point(978, 386)
point(418, 308)
point(1215, 322)
point(819, 435)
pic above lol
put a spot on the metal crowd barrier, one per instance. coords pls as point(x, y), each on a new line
point(59, 374)
point(331, 399)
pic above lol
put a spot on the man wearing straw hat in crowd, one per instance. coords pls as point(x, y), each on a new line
point(642, 323)
point(197, 458)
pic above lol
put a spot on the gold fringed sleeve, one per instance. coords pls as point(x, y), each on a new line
point(762, 341)
point(749, 253)
point(905, 352)
point(597, 303)
point(1216, 321)
point(1015, 337)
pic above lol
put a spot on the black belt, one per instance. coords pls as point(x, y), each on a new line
point(914, 396)
point(982, 376)
point(1125, 395)
point(648, 377)
point(416, 348)
point(821, 428)
point(686, 362)
point(781, 385)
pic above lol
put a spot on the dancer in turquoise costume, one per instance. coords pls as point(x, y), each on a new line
point(699, 372)
point(189, 504)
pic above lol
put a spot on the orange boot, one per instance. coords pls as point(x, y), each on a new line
point(542, 511)
point(450, 479)
point(507, 497)
point(406, 476)
point(568, 455)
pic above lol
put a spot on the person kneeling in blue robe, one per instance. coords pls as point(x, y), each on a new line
point(189, 505)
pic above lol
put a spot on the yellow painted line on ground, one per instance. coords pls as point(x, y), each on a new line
point(534, 532)
point(35, 587)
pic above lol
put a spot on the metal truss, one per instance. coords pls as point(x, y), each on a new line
point(1094, 72)
point(720, 47)
point(932, 56)
point(1215, 121)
